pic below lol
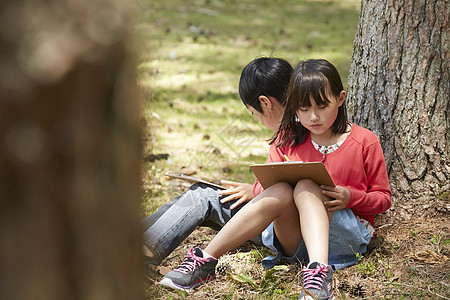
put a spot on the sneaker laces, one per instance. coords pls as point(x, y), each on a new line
point(190, 262)
point(313, 278)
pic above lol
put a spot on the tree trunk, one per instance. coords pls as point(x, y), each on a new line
point(399, 88)
point(69, 153)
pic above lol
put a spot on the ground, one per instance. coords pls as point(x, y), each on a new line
point(408, 259)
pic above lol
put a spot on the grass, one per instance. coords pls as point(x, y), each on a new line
point(192, 54)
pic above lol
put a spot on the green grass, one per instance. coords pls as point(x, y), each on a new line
point(210, 41)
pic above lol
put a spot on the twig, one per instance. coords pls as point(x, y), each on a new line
point(382, 226)
point(436, 294)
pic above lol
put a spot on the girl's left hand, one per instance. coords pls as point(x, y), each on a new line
point(339, 197)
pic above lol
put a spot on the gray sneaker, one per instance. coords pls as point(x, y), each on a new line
point(191, 272)
point(317, 282)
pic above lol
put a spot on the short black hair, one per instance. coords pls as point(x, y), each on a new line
point(267, 76)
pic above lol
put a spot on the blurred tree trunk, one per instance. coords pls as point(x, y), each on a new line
point(69, 152)
point(399, 88)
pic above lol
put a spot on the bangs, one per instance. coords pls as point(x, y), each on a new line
point(315, 87)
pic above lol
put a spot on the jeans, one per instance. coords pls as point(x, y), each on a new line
point(165, 229)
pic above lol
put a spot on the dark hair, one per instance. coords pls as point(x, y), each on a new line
point(313, 78)
point(266, 76)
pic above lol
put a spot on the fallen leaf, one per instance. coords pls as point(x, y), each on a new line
point(163, 270)
point(429, 257)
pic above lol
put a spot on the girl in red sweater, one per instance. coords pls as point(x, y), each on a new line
point(325, 227)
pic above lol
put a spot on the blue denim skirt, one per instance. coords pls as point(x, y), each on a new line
point(348, 240)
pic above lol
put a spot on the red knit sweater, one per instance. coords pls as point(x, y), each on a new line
point(358, 165)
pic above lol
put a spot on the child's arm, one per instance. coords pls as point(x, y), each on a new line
point(375, 198)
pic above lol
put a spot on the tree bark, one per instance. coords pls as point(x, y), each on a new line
point(399, 88)
point(69, 152)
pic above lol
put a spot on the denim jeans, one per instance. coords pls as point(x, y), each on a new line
point(165, 229)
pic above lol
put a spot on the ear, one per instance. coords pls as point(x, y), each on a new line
point(265, 102)
point(341, 98)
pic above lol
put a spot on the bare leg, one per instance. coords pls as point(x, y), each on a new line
point(314, 219)
point(274, 204)
point(147, 252)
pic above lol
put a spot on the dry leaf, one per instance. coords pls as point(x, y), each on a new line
point(429, 257)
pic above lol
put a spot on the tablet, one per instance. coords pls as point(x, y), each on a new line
point(193, 179)
point(291, 172)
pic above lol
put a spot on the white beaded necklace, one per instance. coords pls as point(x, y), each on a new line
point(327, 149)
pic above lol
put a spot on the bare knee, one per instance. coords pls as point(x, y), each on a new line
point(307, 188)
point(306, 185)
point(282, 188)
point(283, 191)
point(279, 195)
